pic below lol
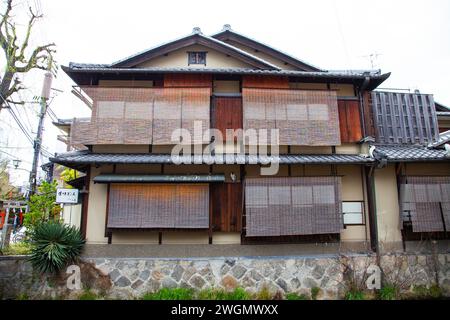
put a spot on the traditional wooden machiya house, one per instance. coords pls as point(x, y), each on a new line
point(357, 169)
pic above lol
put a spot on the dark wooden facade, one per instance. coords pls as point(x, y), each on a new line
point(188, 80)
point(227, 207)
point(226, 113)
point(349, 121)
point(267, 82)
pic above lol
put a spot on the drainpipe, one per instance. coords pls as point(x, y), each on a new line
point(361, 103)
point(371, 198)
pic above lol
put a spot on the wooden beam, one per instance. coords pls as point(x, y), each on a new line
point(210, 229)
point(85, 204)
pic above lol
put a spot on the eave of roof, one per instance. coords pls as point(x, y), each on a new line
point(441, 107)
point(229, 34)
point(139, 178)
point(77, 182)
point(375, 77)
point(394, 153)
point(443, 114)
point(82, 158)
point(194, 38)
point(444, 137)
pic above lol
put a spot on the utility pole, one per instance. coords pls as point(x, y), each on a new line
point(46, 87)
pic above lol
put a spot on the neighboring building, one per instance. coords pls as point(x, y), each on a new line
point(443, 116)
point(355, 168)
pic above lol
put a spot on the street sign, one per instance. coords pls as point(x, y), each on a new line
point(67, 195)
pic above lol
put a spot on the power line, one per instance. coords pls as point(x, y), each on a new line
point(20, 125)
point(13, 156)
point(27, 135)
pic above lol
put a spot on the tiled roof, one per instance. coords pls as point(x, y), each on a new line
point(444, 137)
point(83, 157)
point(80, 67)
point(409, 153)
point(227, 30)
point(388, 153)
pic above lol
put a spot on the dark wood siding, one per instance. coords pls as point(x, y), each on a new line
point(404, 118)
point(369, 120)
point(227, 113)
point(227, 207)
point(268, 82)
point(349, 120)
point(187, 80)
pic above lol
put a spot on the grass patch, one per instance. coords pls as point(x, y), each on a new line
point(264, 294)
point(296, 296)
point(23, 296)
point(220, 294)
point(314, 293)
point(238, 294)
point(355, 295)
point(424, 292)
point(389, 292)
point(88, 295)
point(170, 294)
point(20, 248)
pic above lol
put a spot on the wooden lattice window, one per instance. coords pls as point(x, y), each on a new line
point(197, 57)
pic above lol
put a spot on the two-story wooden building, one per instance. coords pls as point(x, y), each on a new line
point(346, 154)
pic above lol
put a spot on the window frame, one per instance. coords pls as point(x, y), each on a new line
point(363, 216)
point(191, 53)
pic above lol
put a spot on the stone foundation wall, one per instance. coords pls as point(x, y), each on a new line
point(132, 277)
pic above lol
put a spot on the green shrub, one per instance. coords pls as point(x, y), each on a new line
point(296, 296)
point(423, 292)
point(314, 293)
point(170, 294)
point(43, 206)
point(22, 296)
point(19, 248)
point(355, 295)
point(54, 246)
point(389, 292)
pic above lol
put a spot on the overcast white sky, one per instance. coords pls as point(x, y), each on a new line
point(412, 38)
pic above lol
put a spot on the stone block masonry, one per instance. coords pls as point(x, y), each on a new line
point(132, 277)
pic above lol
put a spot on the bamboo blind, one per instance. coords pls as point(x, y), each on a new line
point(142, 115)
point(181, 206)
point(293, 206)
point(427, 198)
point(404, 118)
point(302, 117)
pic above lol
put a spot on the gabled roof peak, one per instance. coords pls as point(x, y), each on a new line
point(228, 34)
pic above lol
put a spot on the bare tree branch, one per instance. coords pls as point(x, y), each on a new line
point(16, 58)
point(33, 17)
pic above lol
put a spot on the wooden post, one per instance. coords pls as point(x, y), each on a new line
point(85, 205)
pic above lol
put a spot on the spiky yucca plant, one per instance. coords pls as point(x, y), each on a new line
point(54, 246)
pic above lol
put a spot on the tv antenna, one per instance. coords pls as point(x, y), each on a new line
point(372, 58)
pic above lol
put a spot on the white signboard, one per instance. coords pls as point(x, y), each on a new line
point(67, 195)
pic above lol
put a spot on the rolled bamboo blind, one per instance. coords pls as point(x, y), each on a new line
point(142, 115)
point(280, 206)
point(181, 206)
point(302, 117)
point(427, 198)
